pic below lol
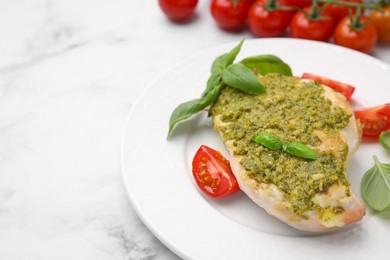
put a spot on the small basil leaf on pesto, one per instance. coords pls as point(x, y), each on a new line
point(240, 77)
point(375, 186)
point(275, 143)
point(265, 64)
point(300, 150)
point(384, 139)
point(221, 62)
point(270, 141)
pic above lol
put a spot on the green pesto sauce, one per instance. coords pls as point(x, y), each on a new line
point(292, 110)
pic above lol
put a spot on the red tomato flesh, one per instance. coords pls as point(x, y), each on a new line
point(212, 173)
point(345, 89)
point(374, 119)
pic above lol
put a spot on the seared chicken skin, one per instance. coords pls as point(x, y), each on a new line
point(311, 195)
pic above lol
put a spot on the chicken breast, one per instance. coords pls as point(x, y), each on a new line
point(311, 195)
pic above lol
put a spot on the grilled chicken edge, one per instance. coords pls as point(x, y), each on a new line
point(269, 197)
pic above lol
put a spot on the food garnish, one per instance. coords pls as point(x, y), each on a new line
point(345, 89)
point(384, 139)
point(374, 119)
point(375, 185)
point(294, 148)
point(212, 173)
point(240, 75)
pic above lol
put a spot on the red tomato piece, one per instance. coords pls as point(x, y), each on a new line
point(363, 40)
point(338, 12)
point(381, 21)
point(268, 23)
point(374, 119)
point(212, 173)
point(228, 15)
point(343, 88)
point(178, 10)
point(303, 27)
point(295, 3)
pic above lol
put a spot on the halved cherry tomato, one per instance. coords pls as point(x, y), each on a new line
point(229, 14)
point(374, 119)
point(178, 10)
point(343, 88)
point(212, 173)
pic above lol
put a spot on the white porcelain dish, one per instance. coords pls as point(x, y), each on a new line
point(158, 179)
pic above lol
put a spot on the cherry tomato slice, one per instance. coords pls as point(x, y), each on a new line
point(212, 173)
point(345, 89)
point(374, 119)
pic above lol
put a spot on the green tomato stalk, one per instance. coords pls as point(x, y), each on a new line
point(356, 23)
point(315, 12)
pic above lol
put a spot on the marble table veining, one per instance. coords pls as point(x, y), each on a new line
point(69, 72)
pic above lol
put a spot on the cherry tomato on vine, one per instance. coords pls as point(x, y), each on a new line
point(374, 119)
point(343, 88)
point(212, 173)
point(229, 14)
point(338, 12)
point(381, 21)
point(266, 20)
point(319, 29)
point(178, 10)
point(295, 3)
point(362, 39)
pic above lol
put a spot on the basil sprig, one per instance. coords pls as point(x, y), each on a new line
point(273, 142)
point(239, 75)
point(211, 93)
point(375, 185)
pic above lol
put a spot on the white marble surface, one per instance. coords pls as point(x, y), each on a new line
point(69, 72)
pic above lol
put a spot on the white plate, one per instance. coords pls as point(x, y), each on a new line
point(157, 173)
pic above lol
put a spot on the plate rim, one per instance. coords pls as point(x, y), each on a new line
point(178, 251)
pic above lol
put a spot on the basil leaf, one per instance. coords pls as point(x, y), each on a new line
point(189, 108)
point(221, 62)
point(375, 185)
point(384, 139)
point(300, 150)
point(240, 77)
point(270, 141)
point(210, 94)
point(265, 64)
point(214, 80)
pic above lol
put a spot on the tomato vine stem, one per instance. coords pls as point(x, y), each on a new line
point(351, 4)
